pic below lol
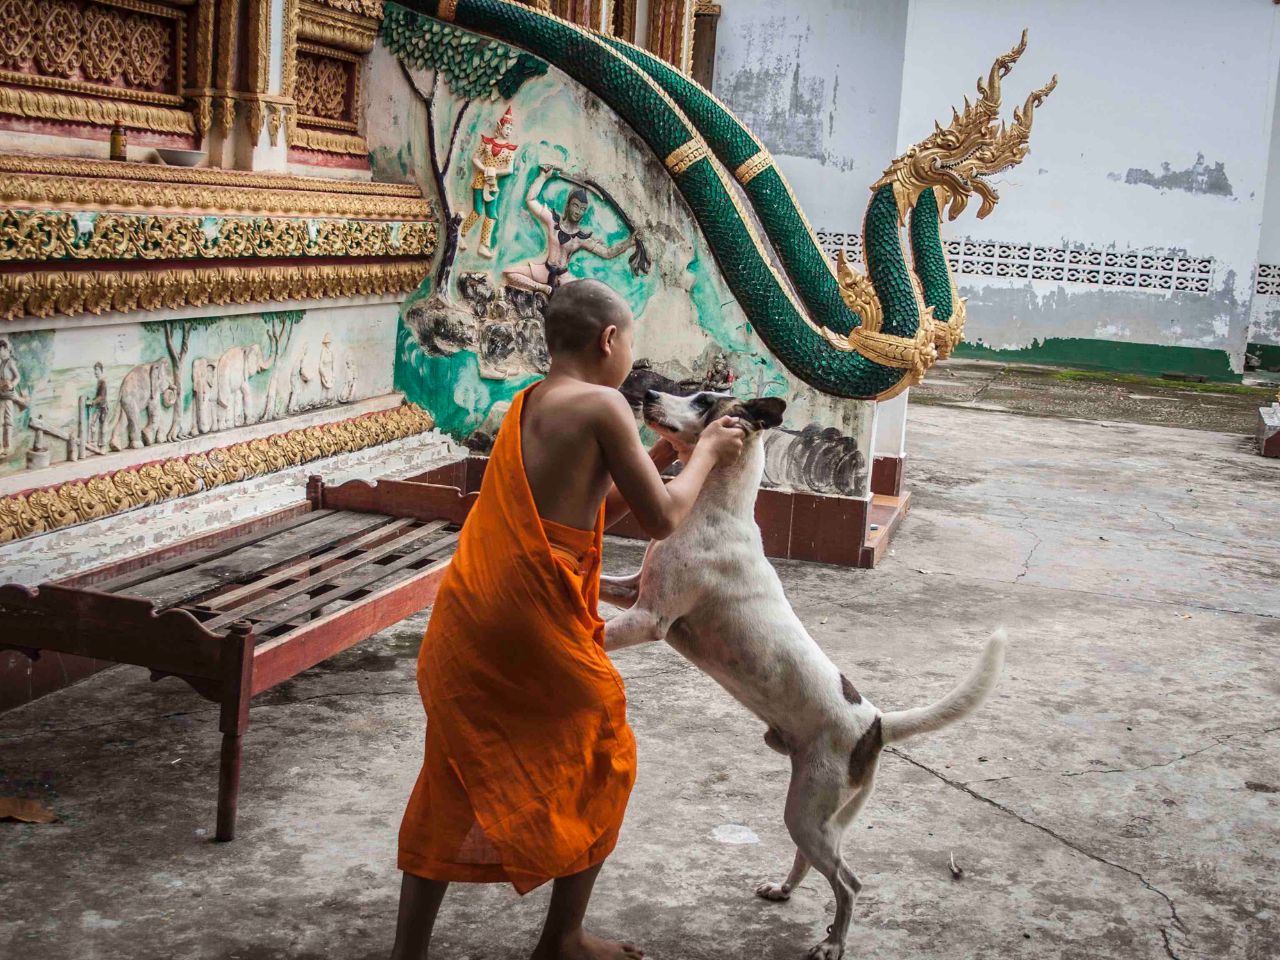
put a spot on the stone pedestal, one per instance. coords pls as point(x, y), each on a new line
point(1269, 430)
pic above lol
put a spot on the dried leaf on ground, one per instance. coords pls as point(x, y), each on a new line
point(25, 811)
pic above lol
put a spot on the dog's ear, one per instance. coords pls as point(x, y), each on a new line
point(764, 412)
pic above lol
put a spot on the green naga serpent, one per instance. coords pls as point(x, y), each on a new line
point(846, 334)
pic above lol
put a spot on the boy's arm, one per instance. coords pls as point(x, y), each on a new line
point(659, 507)
point(616, 508)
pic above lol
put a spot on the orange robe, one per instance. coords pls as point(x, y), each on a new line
point(529, 758)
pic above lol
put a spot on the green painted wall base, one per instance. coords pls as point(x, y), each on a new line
point(1148, 358)
point(1268, 355)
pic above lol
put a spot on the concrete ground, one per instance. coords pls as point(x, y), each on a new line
point(1118, 798)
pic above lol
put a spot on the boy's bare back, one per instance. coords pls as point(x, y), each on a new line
point(580, 443)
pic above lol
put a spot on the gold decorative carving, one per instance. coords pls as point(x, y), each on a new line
point(686, 155)
point(90, 193)
point(72, 293)
point(46, 105)
point(39, 236)
point(275, 116)
point(365, 8)
point(329, 142)
point(752, 167)
point(914, 354)
point(447, 10)
point(335, 28)
point(210, 176)
point(956, 160)
point(120, 50)
point(78, 501)
point(259, 71)
point(859, 294)
point(289, 64)
point(322, 85)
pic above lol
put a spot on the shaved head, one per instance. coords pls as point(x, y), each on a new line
point(577, 312)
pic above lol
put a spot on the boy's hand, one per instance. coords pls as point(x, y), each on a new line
point(723, 439)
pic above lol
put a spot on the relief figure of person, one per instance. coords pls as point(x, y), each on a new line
point(565, 237)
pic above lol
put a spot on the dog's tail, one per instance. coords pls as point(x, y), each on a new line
point(962, 700)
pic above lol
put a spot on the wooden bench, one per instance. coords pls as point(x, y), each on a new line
point(240, 610)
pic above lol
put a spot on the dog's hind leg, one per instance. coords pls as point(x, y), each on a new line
point(782, 891)
point(816, 804)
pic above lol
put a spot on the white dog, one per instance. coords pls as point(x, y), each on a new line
point(709, 591)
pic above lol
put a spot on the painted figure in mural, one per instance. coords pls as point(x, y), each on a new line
point(493, 159)
point(204, 394)
point(298, 380)
point(97, 409)
point(10, 398)
point(235, 396)
point(325, 369)
point(145, 389)
point(565, 237)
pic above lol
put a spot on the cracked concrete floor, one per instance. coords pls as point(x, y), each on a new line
point(1116, 799)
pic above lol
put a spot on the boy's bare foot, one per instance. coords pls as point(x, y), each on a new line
point(581, 945)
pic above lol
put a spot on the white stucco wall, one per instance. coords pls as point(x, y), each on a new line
point(1144, 84)
point(819, 82)
point(1265, 313)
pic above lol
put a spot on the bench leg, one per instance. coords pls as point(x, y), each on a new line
point(229, 786)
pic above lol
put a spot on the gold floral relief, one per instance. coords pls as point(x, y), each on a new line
point(322, 87)
point(40, 511)
point(365, 8)
point(40, 236)
point(75, 293)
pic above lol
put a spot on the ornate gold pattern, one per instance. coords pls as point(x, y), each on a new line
point(365, 8)
point(90, 193)
point(686, 155)
point(859, 294)
point(205, 176)
point(329, 142)
point(45, 105)
point(322, 86)
point(78, 292)
point(752, 167)
point(39, 236)
point(338, 29)
point(447, 10)
point(955, 161)
point(78, 501)
point(260, 46)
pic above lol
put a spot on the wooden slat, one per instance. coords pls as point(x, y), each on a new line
point(279, 658)
point(224, 601)
point(183, 561)
point(254, 608)
point(365, 580)
point(193, 584)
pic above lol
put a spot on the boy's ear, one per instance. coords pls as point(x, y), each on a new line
point(607, 337)
point(765, 412)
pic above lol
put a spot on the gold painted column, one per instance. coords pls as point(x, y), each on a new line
point(671, 32)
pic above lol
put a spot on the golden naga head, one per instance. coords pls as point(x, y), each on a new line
point(957, 160)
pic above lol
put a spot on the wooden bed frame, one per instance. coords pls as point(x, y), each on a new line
point(242, 609)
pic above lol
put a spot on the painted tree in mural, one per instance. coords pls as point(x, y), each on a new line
point(280, 326)
point(474, 68)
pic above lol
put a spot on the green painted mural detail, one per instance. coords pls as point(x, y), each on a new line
point(789, 332)
point(1118, 355)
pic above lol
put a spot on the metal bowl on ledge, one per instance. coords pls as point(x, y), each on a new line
point(180, 158)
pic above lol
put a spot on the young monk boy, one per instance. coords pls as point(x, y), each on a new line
point(529, 759)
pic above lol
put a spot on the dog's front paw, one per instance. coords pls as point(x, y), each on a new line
point(826, 950)
point(773, 891)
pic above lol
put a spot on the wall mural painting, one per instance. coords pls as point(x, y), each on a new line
point(544, 185)
point(76, 393)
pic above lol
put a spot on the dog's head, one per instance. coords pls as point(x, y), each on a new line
point(682, 419)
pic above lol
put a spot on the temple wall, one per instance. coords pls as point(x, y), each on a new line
point(1264, 320)
point(1152, 198)
point(819, 82)
point(463, 352)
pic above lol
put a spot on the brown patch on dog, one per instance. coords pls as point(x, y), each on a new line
point(864, 753)
point(849, 690)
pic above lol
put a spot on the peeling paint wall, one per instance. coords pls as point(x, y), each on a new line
point(1264, 323)
point(819, 82)
point(1156, 141)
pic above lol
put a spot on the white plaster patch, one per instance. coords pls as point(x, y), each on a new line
point(92, 920)
point(734, 833)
